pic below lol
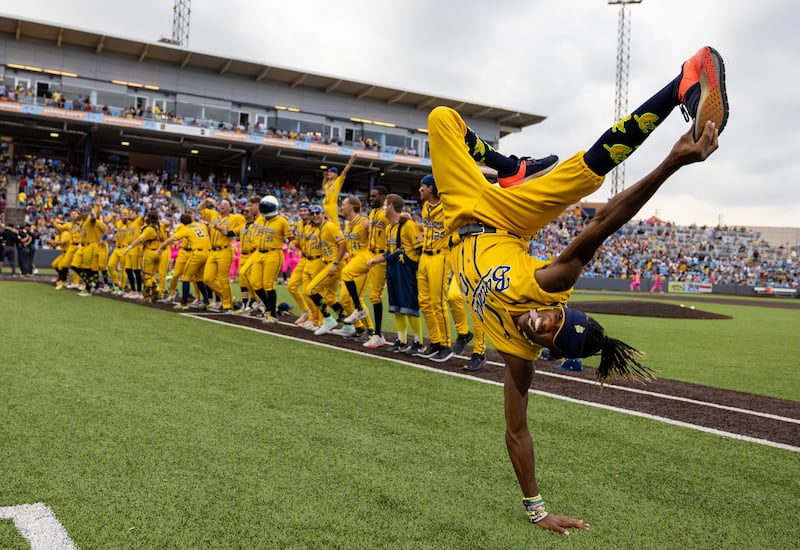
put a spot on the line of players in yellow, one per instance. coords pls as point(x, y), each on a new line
point(329, 284)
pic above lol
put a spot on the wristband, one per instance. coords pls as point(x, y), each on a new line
point(534, 507)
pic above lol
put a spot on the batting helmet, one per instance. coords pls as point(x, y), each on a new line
point(268, 206)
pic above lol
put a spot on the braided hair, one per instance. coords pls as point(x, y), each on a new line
point(616, 357)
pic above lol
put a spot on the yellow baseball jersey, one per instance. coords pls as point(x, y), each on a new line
point(194, 236)
point(330, 200)
point(231, 222)
point(273, 232)
point(122, 234)
point(65, 240)
point(324, 241)
point(434, 236)
point(248, 236)
point(356, 236)
point(153, 236)
point(378, 224)
point(304, 233)
point(92, 231)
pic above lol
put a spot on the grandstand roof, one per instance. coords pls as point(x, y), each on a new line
point(509, 120)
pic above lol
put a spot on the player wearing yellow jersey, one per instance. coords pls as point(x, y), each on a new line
point(172, 294)
point(69, 236)
point(223, 226)
point(133, 259)
point(433, 274)
point(376, 277)
point(356, 235)
point(197, 244)
point(332, 182)
point(296, 279)
point(115, 264)
point(521, 299)
point(321, 277)
point(86, 260)
point(403, 249)
point(152, 235)
point(274, 230)
point(61, 242)
point(248, 252)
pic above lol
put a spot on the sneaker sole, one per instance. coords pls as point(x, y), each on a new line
point(442, 359)
point(540, 173)
point(713, 104)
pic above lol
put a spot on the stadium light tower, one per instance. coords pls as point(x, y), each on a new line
point(623, 65)
point(180, 23)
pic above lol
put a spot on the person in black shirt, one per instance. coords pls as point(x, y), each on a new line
point(8, 248)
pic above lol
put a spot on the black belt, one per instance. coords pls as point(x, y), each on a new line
point(195, 250)
point(270, 250)
point(473, 229)
point(373, 251)
point(313, 257)
point(215, 248)
point(431, 252)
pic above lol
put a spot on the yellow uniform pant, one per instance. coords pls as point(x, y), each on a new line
point(217, 272)
point(376, 275)
point(295, 282)
point(265, 269)
point(456, 302)
point(361, 286)
point(116, 267)
point(317, 279)
point(433, 274)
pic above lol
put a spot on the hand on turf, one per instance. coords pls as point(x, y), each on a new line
point(559, 524)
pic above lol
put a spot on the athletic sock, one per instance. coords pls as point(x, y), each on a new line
point(353, 292)
point(483, 152)
point(622, 139)
point(377, 310)
point(272, 306)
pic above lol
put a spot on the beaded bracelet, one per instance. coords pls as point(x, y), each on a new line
point(534, 507)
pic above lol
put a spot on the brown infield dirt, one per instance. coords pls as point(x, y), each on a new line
point(715, 408)
point(725, 410)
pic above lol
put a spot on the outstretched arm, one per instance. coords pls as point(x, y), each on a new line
point(349, 165)
point(566, 268)
point(518, 378)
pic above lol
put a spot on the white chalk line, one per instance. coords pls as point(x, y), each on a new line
point(38, 525)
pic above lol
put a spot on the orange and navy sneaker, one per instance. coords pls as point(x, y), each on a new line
point(527, 169)
point(702, 89)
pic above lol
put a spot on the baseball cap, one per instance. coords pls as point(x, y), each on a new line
point(571, 335)
point(333, 169)
point(428, 180)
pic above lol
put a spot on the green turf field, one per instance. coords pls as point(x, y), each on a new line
point(145, 429)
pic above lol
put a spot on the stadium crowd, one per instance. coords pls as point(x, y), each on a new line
point(716, 255)
point(21, 93)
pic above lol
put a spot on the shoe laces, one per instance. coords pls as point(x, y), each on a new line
point(685, 113)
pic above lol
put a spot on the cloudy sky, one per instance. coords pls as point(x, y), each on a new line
point(555, 58)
